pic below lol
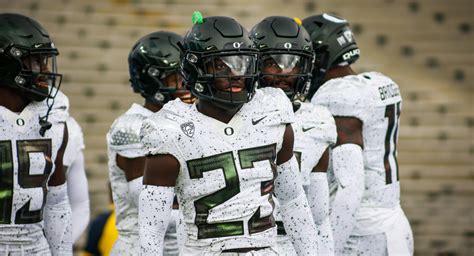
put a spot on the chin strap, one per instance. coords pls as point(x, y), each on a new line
point(43, 120)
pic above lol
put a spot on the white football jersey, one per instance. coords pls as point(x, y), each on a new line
point(123, 138)
point(224, 187)
point(376, 101)
point(315, 131)
point(27, 163)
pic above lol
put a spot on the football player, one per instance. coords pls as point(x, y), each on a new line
point(154, 73)
point(34, 208)
point(365, 190)
point(286, 61)
point(224, 155)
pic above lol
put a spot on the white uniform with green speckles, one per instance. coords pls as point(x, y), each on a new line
point(124, 139)
point(27, 162)
point(375, 100)
point(315, 130)
point(224, 186)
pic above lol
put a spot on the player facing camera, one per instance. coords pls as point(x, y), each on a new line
point(220, 65)
point(286, 55)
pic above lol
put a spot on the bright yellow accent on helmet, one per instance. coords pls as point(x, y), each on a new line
point(297, 20)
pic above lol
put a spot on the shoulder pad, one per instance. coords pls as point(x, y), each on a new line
point(125, 131)
point(274, 102)
point(158, 133)
point(60, 111)
point(346, 96)
point(174, 109)
point(325, 126)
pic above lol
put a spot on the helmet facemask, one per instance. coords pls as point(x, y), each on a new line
point(38, 75)
point(167, 83)
point(289, 71)
point(226, 78)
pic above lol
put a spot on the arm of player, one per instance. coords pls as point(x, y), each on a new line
point(156, 201)
point(78, 193)
point(295, 210)
point(348, 165)
point(318, 199)
point(57, 211)
point(133, 169)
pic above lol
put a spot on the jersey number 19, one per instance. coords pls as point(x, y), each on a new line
point(25, 179)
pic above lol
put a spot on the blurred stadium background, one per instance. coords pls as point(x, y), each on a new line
point(426, 46)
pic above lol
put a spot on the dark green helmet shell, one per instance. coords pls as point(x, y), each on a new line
point(283, 35)
point(22, 37)
point(153, 56)
point(215, 36)
point(333, 41)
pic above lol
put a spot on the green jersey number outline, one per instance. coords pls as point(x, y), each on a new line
point(226, 162)
point(25, 179)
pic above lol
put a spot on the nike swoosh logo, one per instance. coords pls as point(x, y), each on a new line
point(254, 122)
point(307, 129)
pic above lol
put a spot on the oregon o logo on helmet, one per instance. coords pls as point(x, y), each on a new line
point(350, 54)
point(237, 44)
point(287, 45)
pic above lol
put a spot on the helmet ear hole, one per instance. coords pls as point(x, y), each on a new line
point(9, 68)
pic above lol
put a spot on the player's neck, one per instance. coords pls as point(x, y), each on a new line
point(337, 72)
point(12, 100)
point(212, 110)
point(152, 106)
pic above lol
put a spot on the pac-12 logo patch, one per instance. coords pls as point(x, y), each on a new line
point(188, 129)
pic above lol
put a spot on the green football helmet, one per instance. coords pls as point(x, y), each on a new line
point(333, 42)
point(286, 55)
point(218, 51)
point(27, 57)
point(155, 58)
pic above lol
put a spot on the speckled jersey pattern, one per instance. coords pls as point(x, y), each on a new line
point(225, 183)
point(27, 164)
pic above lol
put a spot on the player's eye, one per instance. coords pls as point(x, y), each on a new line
point(270, 63)
point(219, 65)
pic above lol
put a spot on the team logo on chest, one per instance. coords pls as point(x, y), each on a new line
point(188, 129)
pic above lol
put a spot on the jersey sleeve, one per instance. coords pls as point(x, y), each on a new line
point(124, 136)
point(343, 98)
point(75, 141)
